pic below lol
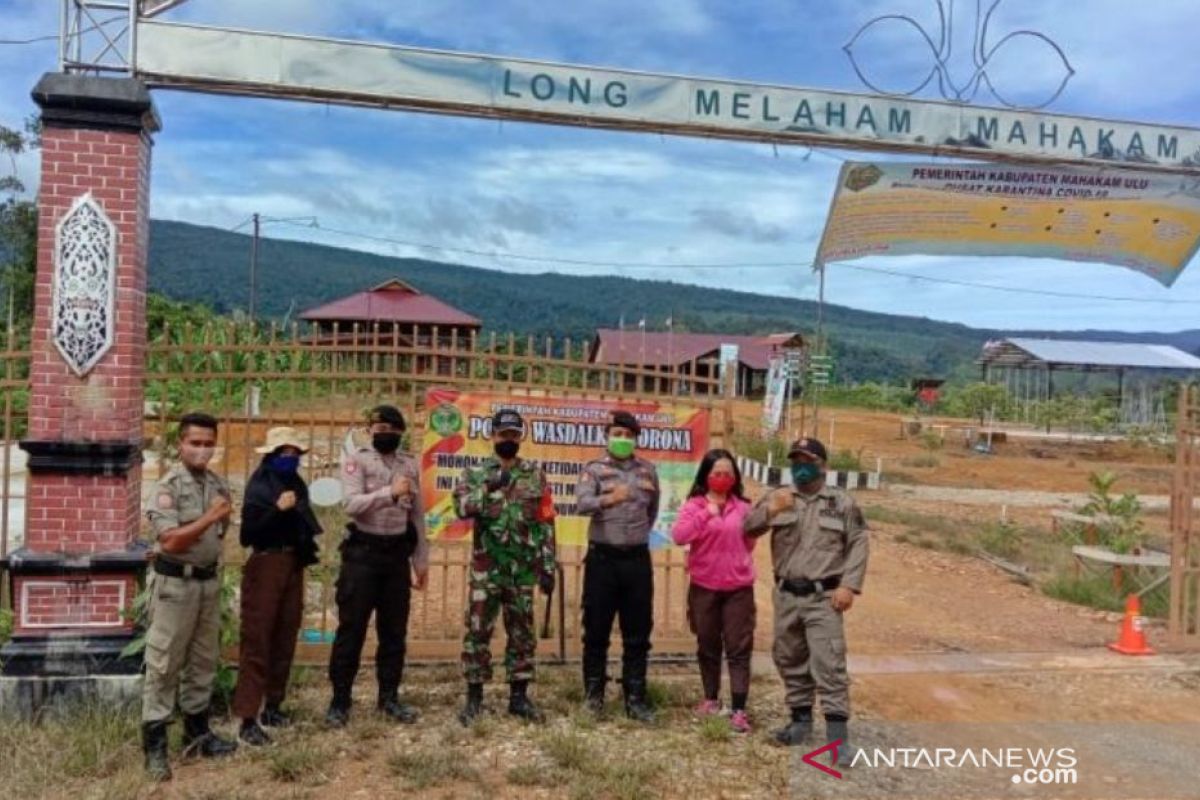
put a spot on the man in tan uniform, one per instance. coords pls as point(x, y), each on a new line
point(819, 550)
point(385, 553)
point(189, 513)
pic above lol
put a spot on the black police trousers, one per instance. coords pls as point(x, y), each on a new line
point(375, 578)
point(618, 584)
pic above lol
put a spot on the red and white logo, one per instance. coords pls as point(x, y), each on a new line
point(832, 747)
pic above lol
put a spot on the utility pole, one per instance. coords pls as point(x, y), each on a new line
point(254, 265)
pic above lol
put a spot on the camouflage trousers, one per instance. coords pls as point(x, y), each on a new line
point(495, 587)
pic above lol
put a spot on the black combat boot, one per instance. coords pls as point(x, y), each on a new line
point(198, 738)
point(251, 733)
point(154, 745)
point(390, 706)
point(339, 709)
point(636, 706)
point(799, 730)
point(594, 684)
point(837, 730)
point(274, 717)
point(519, 704)
point(593, 693)
point(474, 705)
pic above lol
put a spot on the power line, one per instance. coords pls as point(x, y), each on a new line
point(30, 41)
point(1013, 289)
point(579, 262)
point(744, 265)
point(51, 36)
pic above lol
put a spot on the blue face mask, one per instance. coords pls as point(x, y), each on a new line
point(285, 465)
point(805, 472)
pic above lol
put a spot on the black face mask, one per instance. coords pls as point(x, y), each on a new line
point(507, 449)
point(385, 443)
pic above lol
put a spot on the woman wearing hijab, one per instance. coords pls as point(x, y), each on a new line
point(721, 594)
point(280, 527)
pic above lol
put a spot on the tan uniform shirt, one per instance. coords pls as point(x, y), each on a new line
point(626, 523)
point(180, 497)
point(367, 497)
point(822, 535)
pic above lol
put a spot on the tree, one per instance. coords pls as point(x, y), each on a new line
point(977, 400)
point(18, 230)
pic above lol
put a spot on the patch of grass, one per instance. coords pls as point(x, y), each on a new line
point(94, 744)
point(1001, 539)
point(298, 762)
point(483, 727)
point(926, 461)
point(627, 779)
point(1097, 591)
point(368, 730)
point(847, 460)
point(431, 766)
point(594, 773)
point(715, 728)
point(567, 749)
point(6, 625)
point(534, 775)
point(665, 695)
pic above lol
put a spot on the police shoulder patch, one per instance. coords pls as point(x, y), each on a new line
point(165, 501)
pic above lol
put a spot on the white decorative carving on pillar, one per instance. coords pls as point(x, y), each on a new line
point(85, 275)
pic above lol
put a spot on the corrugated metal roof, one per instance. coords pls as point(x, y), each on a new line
point(1100, 354)
point(658, 348)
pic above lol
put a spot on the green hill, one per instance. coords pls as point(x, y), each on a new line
point(189, 262)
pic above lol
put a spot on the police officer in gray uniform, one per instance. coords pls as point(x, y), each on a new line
point(620, 492)
point(819, 549)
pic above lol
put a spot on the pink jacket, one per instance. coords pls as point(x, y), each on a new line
point(721, 555)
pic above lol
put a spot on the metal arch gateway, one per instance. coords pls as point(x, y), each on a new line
point(86, 430)
point(237, 62)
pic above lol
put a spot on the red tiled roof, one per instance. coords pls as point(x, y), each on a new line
point(612, 346)
point(393, 301)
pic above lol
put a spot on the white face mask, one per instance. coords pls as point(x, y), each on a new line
point(196, 457)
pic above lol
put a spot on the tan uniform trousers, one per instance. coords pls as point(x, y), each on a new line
point(182, 646)
point(810, 652)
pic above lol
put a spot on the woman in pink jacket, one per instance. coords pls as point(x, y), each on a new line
point(721, 595)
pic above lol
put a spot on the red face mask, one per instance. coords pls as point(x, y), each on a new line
point(721, 484)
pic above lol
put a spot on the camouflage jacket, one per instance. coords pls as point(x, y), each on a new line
point(512, 523)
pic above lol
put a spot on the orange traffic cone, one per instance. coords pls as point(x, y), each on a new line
point(1132, 641)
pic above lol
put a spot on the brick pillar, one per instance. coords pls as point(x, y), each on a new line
point(77, 573)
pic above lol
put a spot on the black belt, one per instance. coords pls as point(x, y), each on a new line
point(173, 569)
point(381, 542)
point(283, 548)
point(618, 551)
point(803, 588)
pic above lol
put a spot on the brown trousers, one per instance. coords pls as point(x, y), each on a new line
point(272, 608)
point(723, 622)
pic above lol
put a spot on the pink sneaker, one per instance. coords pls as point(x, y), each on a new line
point(740, 722)
point(707, 708)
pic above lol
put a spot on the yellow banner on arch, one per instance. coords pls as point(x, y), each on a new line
point(1142, 221)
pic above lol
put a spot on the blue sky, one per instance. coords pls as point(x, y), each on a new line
point(593, 195)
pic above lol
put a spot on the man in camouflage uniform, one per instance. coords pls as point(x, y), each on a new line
point(189, 514)
point(510, 502)
point(620, 493)
point(819, 549)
